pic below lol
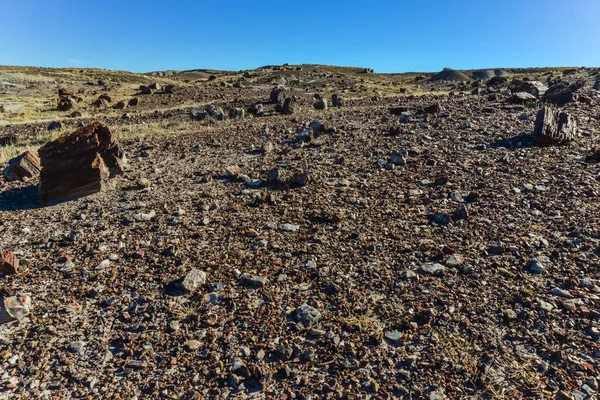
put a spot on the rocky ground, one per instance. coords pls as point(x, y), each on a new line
point(438, 254)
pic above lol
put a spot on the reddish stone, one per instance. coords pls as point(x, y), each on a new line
point(79, 164)
point(9, 263)
point(65, 92)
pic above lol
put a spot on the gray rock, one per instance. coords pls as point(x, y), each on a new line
point(393, 336)
point(538, 265)
point(307, 315)
point(433, 268)
point(290, 227)
point(194, 280)
point(76, 347)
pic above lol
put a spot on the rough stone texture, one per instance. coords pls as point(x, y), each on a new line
point(9, 263)
point(8, 140)
point(288, 106)
point(554, 127)
point(23, 168)
point(66, 103)
point(521, 98)
point(79, 164)
point(337, 100)
point(277, 95)
point(237, 113)
point(559, 94)
point(320, 104)
point(256, 109)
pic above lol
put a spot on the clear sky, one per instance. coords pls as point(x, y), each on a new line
point(386, 35)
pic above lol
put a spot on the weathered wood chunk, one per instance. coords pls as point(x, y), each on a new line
point(23, 168)
point(79, 164)
point(554, 127)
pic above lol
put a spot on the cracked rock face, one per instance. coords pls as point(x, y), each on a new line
point(553, 126)
point(79, 164)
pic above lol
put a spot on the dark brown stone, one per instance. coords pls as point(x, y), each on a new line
point(133, 102)
point(120, 105)
point(7, 140)
point(432, 109)
point(398, 110)
point(100, 102)
point(9, 263)
point(277, 95)
point(66, 103)
point(79, 164)
point(554, 127)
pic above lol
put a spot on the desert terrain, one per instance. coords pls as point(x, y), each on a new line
point(375, 236)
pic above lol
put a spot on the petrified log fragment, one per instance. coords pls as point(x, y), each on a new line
point(554, 127)
point(79, 164)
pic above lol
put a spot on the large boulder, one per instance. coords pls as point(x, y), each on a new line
point(554, 127)
point(535, 88)
point(597, 85)
point(79, 164)
point(559, 94)
point(23, 168)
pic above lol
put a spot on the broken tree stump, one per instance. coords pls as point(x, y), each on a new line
point(79, 164)
point(554, 127)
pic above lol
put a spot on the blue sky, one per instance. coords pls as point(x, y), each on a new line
point(388, 36)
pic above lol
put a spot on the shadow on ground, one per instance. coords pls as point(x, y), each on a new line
point(517, 142)
point(25, 198)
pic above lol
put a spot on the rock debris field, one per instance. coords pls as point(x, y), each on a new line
point(410, 244)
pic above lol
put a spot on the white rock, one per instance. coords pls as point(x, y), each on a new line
point(290, 227)
point(103, 265)
point(194, 280)
point(144, 217)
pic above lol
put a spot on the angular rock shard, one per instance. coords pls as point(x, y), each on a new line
point(23, 168)
point(554, 127)
point(79, 164)
point(9, 263)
